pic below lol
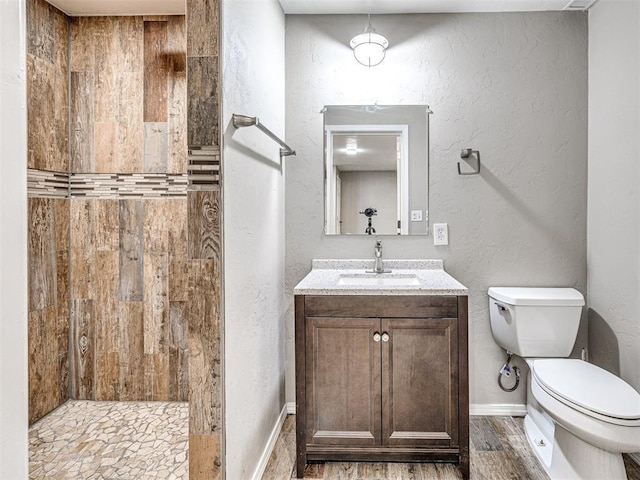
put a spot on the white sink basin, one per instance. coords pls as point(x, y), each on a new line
point(378, 279)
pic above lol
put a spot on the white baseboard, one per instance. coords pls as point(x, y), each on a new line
point(635, 457)
point(291, 408)
point(498, 409)
point(264, 458)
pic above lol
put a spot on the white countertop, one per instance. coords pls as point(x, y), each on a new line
point(428, 276)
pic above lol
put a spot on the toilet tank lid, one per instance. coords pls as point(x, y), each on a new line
point(537, 296)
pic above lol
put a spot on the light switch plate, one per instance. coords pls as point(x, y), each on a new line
point(416, 215)
point(440, 234)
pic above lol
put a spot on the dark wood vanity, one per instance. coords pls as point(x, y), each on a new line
point(382, 378)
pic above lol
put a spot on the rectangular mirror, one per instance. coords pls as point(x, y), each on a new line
point(376, 169)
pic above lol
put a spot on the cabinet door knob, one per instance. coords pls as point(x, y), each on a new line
point(376, 337)
point(385, 337)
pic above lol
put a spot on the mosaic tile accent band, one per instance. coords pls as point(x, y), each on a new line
point(204, 168)
point(44, 184)
point(130, 185)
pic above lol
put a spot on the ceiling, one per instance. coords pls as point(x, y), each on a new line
point(173, 7)
point(120, 7)
point(418, 6)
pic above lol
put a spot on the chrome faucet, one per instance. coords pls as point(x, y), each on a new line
point(378, 258)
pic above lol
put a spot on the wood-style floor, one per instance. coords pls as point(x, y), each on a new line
point(499, 451)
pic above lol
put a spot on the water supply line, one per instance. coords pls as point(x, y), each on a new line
point(506, 372)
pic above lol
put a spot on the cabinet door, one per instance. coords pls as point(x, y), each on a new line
point(419, 382)
point(343, 381)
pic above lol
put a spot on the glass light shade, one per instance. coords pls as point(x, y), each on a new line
point(369, 47)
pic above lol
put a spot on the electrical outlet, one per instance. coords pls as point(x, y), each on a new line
point(440, 234)
point(416, 215)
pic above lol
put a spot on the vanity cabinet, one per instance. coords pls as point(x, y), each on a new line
point(382, 378)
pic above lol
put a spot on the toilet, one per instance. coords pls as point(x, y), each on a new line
point(580, 418)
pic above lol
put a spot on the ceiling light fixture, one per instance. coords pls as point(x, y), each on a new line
point(369, 47)
point(352, 146)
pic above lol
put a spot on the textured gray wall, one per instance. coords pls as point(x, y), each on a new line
point(369, 189)
point(513, 86)
point(254, 235)
point(613, 236)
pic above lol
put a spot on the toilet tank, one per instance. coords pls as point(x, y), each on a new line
point(535, 322)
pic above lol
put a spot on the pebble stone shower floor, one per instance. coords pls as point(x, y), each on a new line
point(89, 440)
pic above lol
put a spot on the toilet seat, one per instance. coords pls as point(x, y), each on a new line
point(589, 389)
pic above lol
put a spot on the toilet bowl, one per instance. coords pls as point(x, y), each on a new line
point(580, 418)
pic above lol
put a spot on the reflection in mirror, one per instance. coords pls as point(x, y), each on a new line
point(376, 170)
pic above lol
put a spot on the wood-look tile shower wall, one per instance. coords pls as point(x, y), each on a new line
point(129, 268)
point(145, 285)
point(129, 310)
point(48, 248)
point(128, 95)
point(205, 233)
point(113, 272)
point(48, 254)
